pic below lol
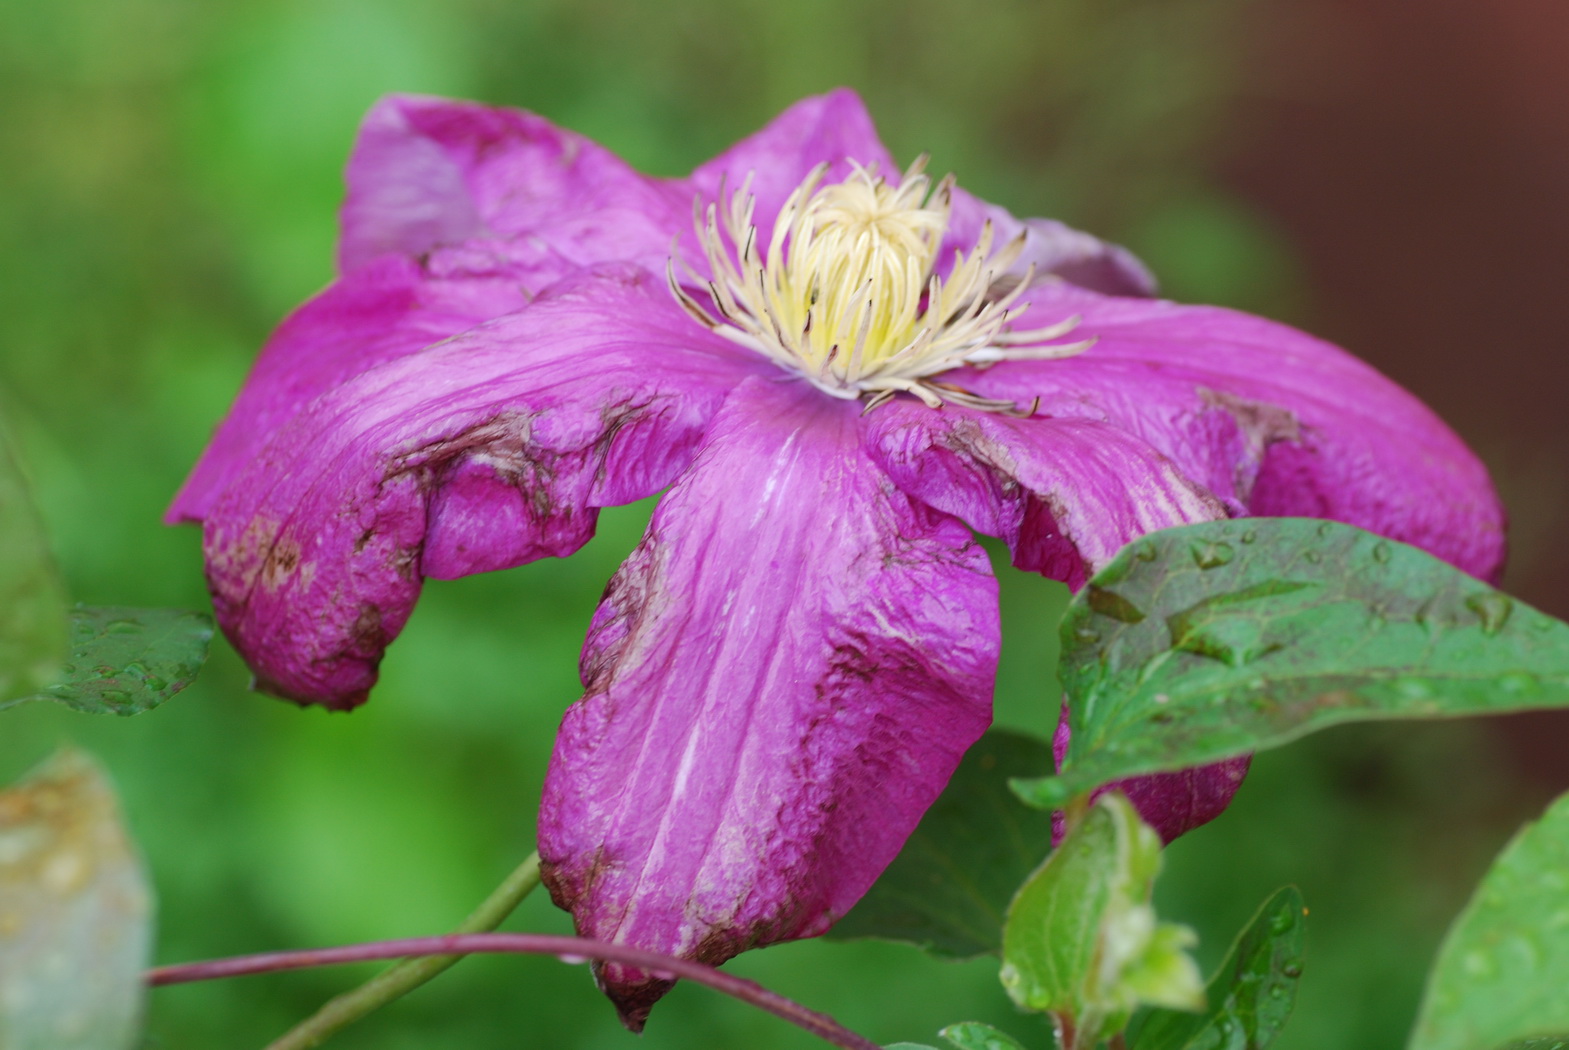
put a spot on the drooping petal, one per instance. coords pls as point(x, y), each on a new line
point(1051, 247)
point(834, 129)
point(383, 311)
point(1065, 494)
point(1273, 420)
point(780, 681)
point(430, 172)
point(482, 452)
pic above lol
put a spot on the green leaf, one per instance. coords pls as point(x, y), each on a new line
point(126, 661)
point(972, 1035)
point(949, 888)
point(1250, 996)
point(968, 1035)
point(32, 598)
point(1212, 640)
point(1081, 941)
point(77, 911)
point(1503, 968)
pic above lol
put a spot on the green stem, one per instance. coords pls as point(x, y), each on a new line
point(397, 981)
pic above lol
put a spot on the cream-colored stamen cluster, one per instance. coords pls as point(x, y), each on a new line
point(845, 295)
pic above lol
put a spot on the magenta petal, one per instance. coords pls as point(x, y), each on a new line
point(485, 451)
point(780, 681)
point(1051, 247)
point(1065, 494)
point(378, 314)
point(1271, 419)
point(832, 128)
point(430, 172)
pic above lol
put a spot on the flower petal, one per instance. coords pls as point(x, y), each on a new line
point(1271, 419)
point(379, 313)
point(429, 172)
point(1051, 247)
point(1065, 494)
point(834, 128)
point(780, 681)
point(482, 452)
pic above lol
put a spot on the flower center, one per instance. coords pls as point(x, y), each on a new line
point(844, 293)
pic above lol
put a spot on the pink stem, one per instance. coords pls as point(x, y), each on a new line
point(569, 948)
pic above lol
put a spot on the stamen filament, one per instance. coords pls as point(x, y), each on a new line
point(844, 293)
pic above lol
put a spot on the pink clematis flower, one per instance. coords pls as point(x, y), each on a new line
point(839, 376)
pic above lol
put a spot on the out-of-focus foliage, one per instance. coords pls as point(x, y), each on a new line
point(32, 600)
point(169, 171)
point(75, 913)
point(968, 1035)
point(1501, 974)
point(949, 889)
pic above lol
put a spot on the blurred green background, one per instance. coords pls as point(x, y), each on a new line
point(169, 172)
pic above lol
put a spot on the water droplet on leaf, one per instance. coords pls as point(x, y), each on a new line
point(1492, 609)
point(1414, 688)
point(1518, 682)
point(1478, 964)
point(1212, 555)
point(1381, 552)
point(1110, 603)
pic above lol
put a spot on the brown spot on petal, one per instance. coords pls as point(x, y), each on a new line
point(281, 562)
point(1262, 425)
point(236, 564)
point(368, 634)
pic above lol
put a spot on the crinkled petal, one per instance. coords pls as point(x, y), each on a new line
point(833, 129)
point(379, 313)
point(430, 172)
point(780, 681)
point(485, 451)
point(1051, 247)
point(1066, 494)
point(1270, 419)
